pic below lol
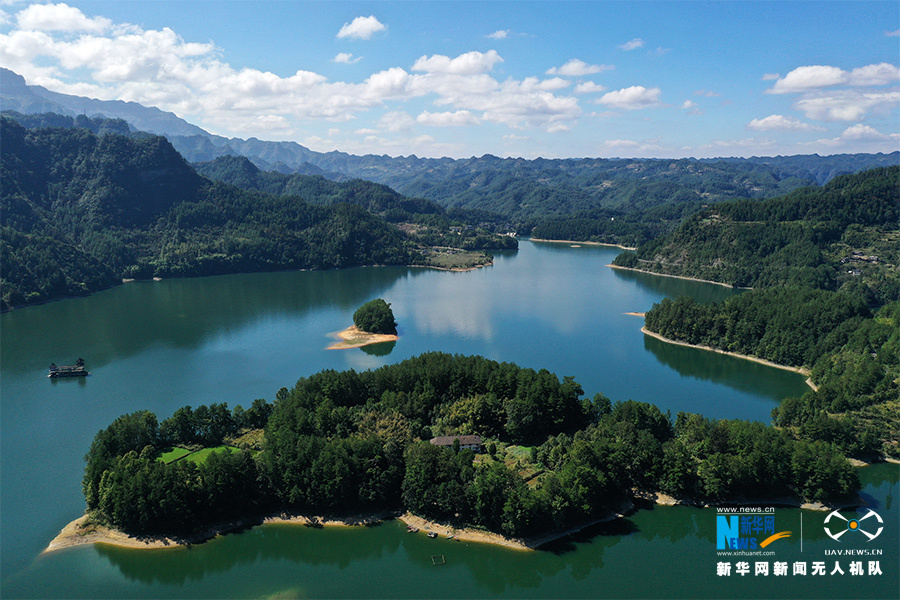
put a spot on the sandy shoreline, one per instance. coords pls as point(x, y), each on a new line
point(582, 242)
point(80, 532)
point(761, 361)
point(728, 285)
point(354, 338)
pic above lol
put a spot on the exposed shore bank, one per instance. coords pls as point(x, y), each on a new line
point(581, 242)
point(761, 361)
point(82, 531)
point(728, 285)
point(352, 337)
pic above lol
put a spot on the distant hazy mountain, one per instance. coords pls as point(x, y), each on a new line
point(518, 188)
point(16, 95)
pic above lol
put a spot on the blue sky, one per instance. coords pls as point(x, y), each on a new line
point(459, 79)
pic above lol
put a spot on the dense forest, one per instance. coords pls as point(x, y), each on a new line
point(342, 442)
point(845, 235)
point(823, 265)
point(86, 203)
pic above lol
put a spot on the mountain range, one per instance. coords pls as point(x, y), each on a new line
point(516, 187)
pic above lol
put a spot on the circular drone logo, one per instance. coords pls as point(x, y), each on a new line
point(854, 525)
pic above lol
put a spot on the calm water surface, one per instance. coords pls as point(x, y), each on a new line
point(163, 345)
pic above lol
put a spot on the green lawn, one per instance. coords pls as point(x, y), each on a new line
point(200, 456)
point(173, 454)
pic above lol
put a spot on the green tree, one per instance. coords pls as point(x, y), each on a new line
point(375, 316)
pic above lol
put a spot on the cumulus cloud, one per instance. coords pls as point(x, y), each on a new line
point(589, 87)
point(618, 144)
point(500, 34)
point(578, 68)
point(633, 44)
point(631, 98)
point(59, 17)
point(447, 119)
point(860, 138)
point(470, 63)
point(688, 104)
point(361, 28)
point(846, 105)
point(193, 80)
point(781, 123)
point(346, 58)
point(815, 77)
point(873, 75)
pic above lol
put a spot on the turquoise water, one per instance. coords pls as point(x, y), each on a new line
point(162, 345)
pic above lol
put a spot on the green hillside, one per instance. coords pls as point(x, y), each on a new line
point(81, 211)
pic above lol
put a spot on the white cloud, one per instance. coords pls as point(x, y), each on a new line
point(804, 79)
point(781, 123)
point(557, 128)
point(631, 98)
point(397, 120)
point(346, 58)
point(895, 33)
point(846, 105)
point(193, 80)
point(361, 28)
point(771, 76)
point(816, 77)
point(512, 137)
point(633, 44)
point(447, 119)
point(500, 34)
point(872, 75)
point(859, 138)
point(706, 94)
point(470, 63)
point(59, 17)
point(618, 144)
point(578, 68)
point(863, 132)
point(589, 87)
point(688, 104)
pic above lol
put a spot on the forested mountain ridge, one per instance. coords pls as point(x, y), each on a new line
point(522, 190)
point(80, 212)
point(844, 235)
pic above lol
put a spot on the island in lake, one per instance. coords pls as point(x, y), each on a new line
point(535, 460)
point(373, 323)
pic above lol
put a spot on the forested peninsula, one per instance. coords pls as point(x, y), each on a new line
point(358, 442)
point(823, 264)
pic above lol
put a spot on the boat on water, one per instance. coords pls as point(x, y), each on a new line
point(432, 534)
point(76, 370)
point(411, 529)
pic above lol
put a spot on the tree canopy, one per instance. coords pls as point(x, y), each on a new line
point(375, 316)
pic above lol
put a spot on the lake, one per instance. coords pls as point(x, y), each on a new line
point(162, 345)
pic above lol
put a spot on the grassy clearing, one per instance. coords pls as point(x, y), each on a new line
point(173, 454)
point(200, 456)
point(456, 259)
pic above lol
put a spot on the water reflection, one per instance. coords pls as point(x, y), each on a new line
point(382, 349)
point(736, 373)
point(673, 287)
point(183, 313)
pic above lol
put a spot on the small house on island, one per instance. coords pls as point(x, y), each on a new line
point(466, 442)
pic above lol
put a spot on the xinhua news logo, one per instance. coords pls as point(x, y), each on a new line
point(746, 531)
point(855, 527)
